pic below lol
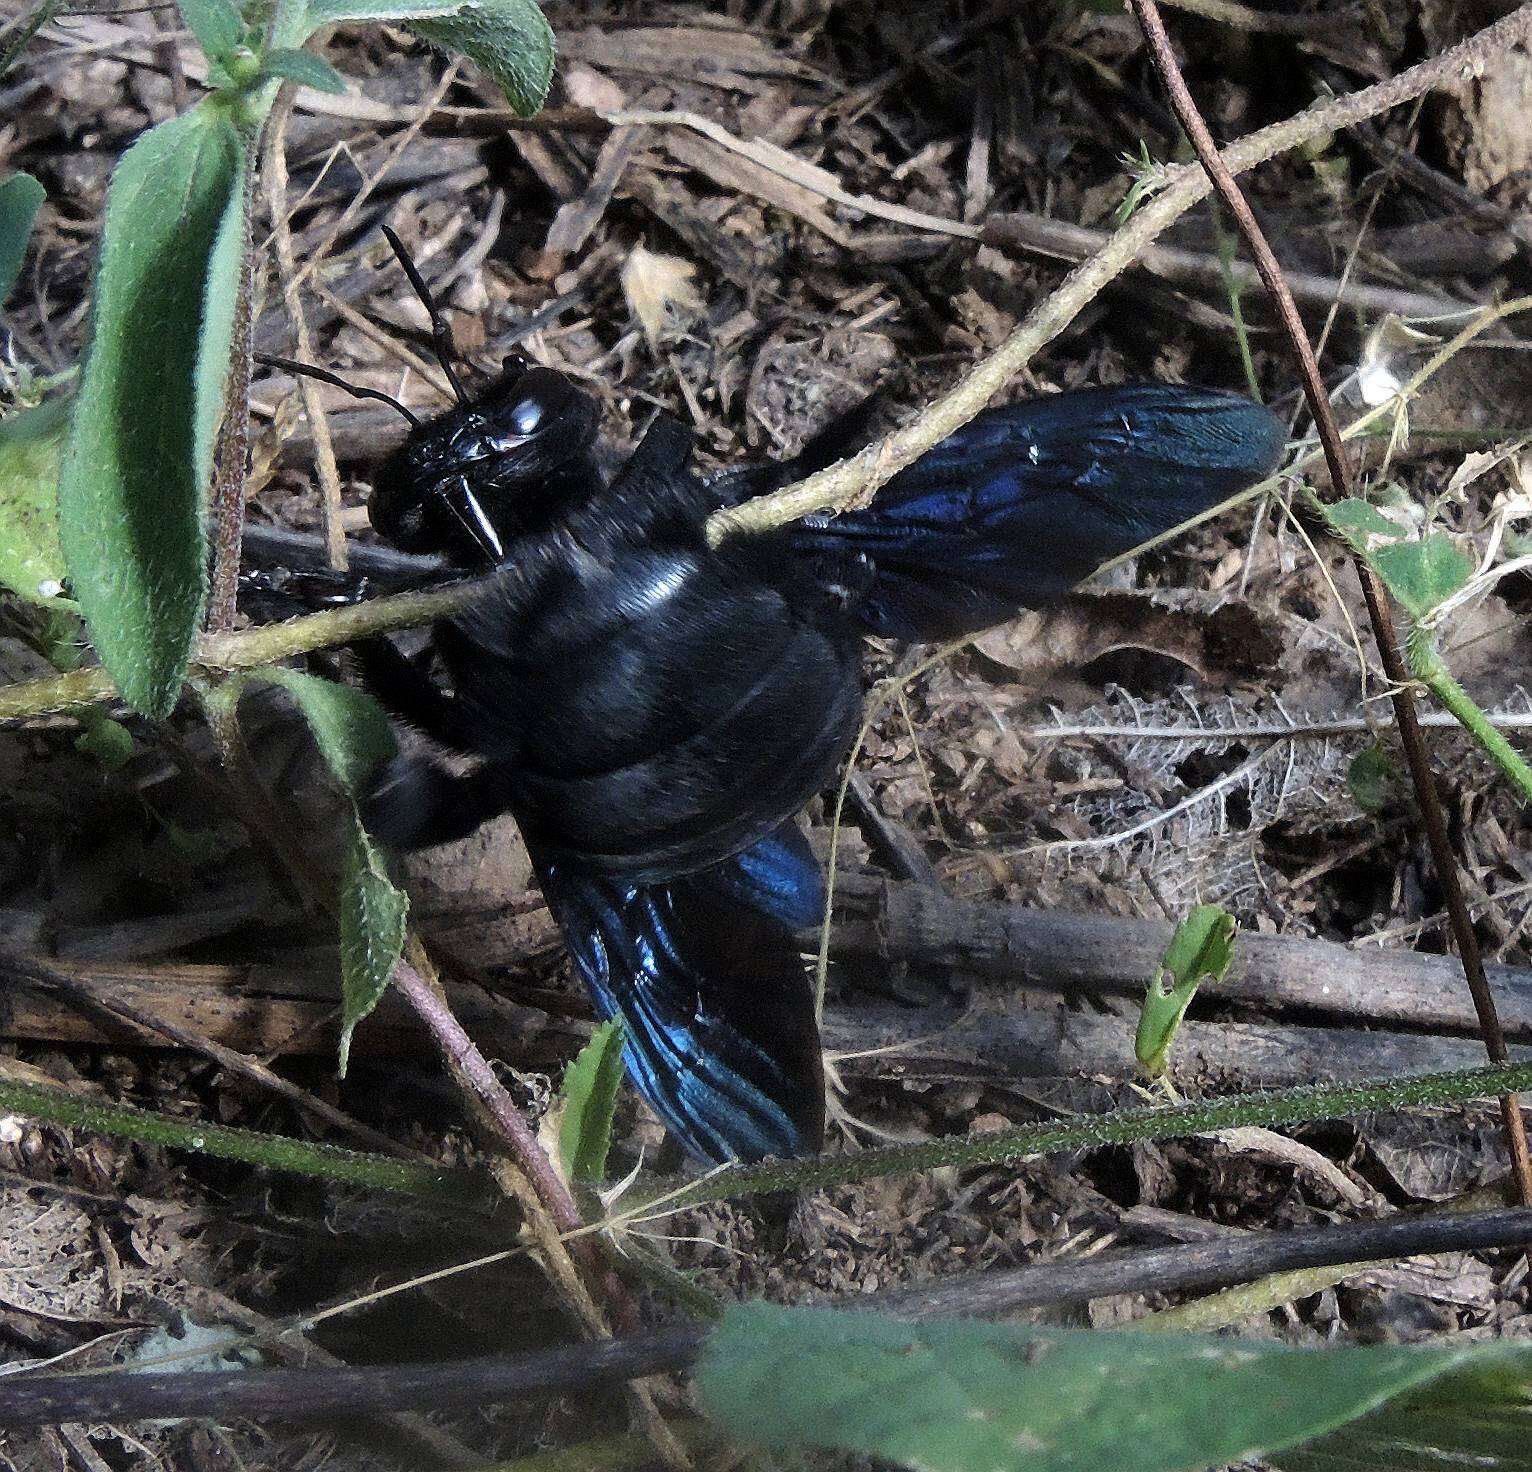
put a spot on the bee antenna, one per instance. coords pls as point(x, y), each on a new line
point(355, 390)
point(441, 334)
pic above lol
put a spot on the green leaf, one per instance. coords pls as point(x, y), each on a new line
point(334, 12)
point(109, 741)
point(589, 1099)
point(303, 67)
point(1360, 524)
point(373, 915)
point(350, 727)
point(217, 25)
point(1479, 1416)
point(20, 198)
point(1201, 949)
point(510, 39)
point(133, 485)
point(31, 444)
point(1372, 779)
point(955, 1396)
point(353, 735)
point(1424, 574)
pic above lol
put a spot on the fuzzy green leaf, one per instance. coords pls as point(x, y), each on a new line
point(350, 727)
point(31, 443)
point(373, 917)
point(510, 39)
point(303, 67)
point(109, 741)
point(1360, 524)
point(336, 12)
point(354, 735)
point(1201, 949)
point(589, 1099)
point(1479, 1417)
point(139, 457)
point(954, 1396)
point(216, 24)
point(1372, 779)
point(1424, 574)
point(21, 196)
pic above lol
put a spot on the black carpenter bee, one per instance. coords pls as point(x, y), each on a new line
point(655, 711)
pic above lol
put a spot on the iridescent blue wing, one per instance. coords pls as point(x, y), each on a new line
point(713, 991)
point(1026, 500)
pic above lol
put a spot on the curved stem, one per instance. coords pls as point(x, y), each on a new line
point(1428, 666)
point(274, 1152)
point(1122, 1127)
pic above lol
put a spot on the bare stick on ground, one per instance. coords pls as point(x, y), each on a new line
point(293, 1395)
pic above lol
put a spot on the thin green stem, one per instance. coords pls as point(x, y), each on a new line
point(274, 1152)
point(1428, 666)
point(1227, 246)
point(1279, 1108)
point(273, 642)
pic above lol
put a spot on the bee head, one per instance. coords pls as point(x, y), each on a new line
point(469, 482)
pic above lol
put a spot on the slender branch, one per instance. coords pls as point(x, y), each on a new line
point(94, 996)
point(295, 1395)
point(1275, 1109)
point(272, 642)
point(228, 496)
point(273, 1152)
point(851, 482)
point(1428, 666)
point(1402, 697)
point(473, 1069)
point(415, 979)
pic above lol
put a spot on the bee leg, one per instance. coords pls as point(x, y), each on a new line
point(416, 802)
point(407, 693)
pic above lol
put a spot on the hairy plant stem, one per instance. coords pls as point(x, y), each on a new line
point(227, 508)
point(1428, 666)
point(1402, 695)
point(273, 1152)
point(475, 1075)
point(1274, 1109)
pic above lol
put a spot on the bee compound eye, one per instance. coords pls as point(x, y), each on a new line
point(527, 415)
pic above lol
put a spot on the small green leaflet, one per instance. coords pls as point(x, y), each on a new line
point(1201, 949)
point(31, 442)
point(1425, 574)
point(373, 916)
point(354, 736)
point(589, 1099)
point(217, 25)
point(954, 1396)
point(21, 197)
point(510, 39)
point(1360, 524)
point(1421, 572)
point(1372, 779)
point(139, 456)
point(350, 728)
point(303, 67)
point(109, 741)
